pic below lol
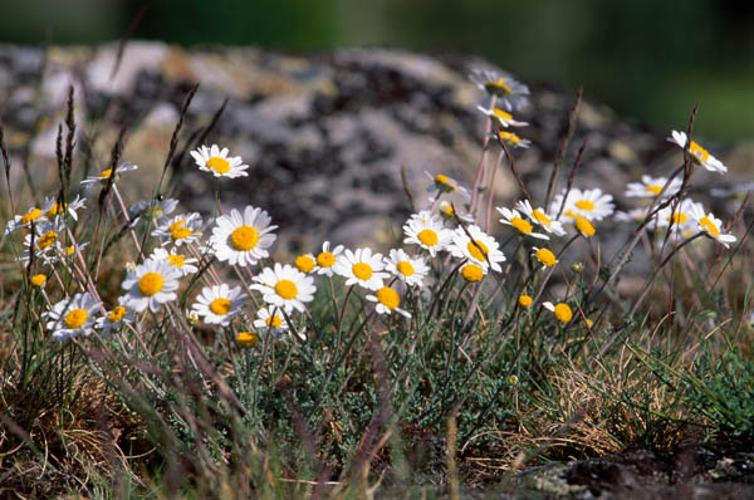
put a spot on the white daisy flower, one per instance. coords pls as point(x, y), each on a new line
point(698, 153)
point(592, 204)
point(545, 257)
point(54, 208)
point(149, 285)
point(104, 175)
point(513, 218)
point(636, 215)
point(511, 94)
point(501, 117)
point(427, 231)
point(541, 218)
point(218, 163)
point(153, 210)
point(48, 245)
point(387, 301)
point(446, 210)
point(483, 250)
point(184, 265)
point(513, 140)
point(33, 215)
point(285, 287)
point(270, 320)
point(410, 270)
point(73, 316)
point(650, 187)
point(327, 258)
point(180, 229)
point(114, 320)
point(362, 268)
point(711, 226)
point(442, 183)
point(242, 238)
point(681, 215)
point(218, 304)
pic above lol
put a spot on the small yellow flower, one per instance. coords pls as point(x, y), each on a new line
point(513, 380)
point(525, 300)
point(305, 263)
point(247, 339)
point(545, 257)
point(588, 322)
point(39, 280)
point(472, 273)
point(585, 227)
point(562, 311)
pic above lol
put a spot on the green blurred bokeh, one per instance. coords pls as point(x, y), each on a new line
point(649, 59)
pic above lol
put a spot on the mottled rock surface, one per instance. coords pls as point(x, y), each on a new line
point(326, 135)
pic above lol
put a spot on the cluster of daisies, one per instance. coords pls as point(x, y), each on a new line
point(445, 235)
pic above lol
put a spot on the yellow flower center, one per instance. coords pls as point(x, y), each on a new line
point(478, 250)
point(541, 217)
point(428, 237)
point(445, 182)
point(362, 271)
point(286, 289)
point(326, 259)
point(154, 212)
point(546, 257)
point(218, 164)
point(678, 217)
point(76, 318)
point(178, 230)
point(499, 86)
point(47, 239)
point(388, 297)
point(244, 238)
point(220, 306)
point(39, 280)
point(150, 284)
point(654, 189)
point(563, 313)
point(274, 321)
point(176, 260)
point(69, 250)
point(525, 300)
point(586, 205)
point(405, 267)
point(304, 263)
point(472, 273)
point(522, 225)
point(246, 339)
point(55, 209)
point(709, 226)
point(502, 114)
point(509, 137)
point(117, 314)
point(105, 174)
point(32, 215)
point(446, 210)
point(698, 151)
point(585, 227)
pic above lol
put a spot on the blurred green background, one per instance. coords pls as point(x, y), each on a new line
point(648, 59)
